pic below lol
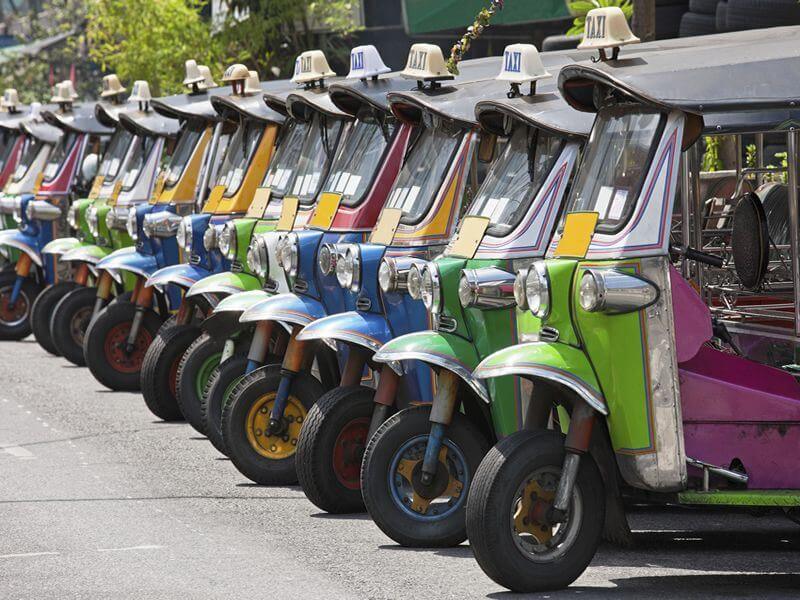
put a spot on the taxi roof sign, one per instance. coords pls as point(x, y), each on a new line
point(252, 85)
point(140, 92)
point(193, 74)
point(10, 101)
point(366, 62)
point(111, 86)
point(208, 81)
point(236, 72)
point(64, 93)
point(522, 64)
point(311, 66)
point(426, 63)
point(35, 111)
point(606, 28)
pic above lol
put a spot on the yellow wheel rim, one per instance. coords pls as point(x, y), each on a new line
point(279, 446)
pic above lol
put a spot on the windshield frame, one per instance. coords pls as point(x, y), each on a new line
point(10, 137)
point(33, 146)
point(281, 157)
point(319, 122)
point(148, 144)
point(118, 135)
point(67, 141)
point(238, 144)
point(191, 130)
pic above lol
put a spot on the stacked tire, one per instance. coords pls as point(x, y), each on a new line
point(712, 16)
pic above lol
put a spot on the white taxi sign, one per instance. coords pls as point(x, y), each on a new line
point(208, 81)
point(10, 101)
point(252, 85)
point(64, 93)
point(606, 28)
point(111, 86)
point(426, 62)
point(522, 64)
point(311, 66)
point(365, 62)
point(236, 72)
point(140, 92)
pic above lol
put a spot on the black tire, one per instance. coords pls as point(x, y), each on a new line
point(221, 382)
point(755, 14)
point(668, 20)
point(412, 425)
point(69, 322)
point(159, 369)
point(721, 17)
point(16, 325)
point(703, 7)
point(492, 501)
point(331, 446)
point(561, 42)
point(42, 310)
point(106, 329)
point(194, 370)
point(695, 24)
point(273, 465)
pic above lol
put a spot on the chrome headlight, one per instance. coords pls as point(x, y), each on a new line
point(72, 216)
point(91, 220)
point(289, 254)
point(110, 219)
point(415, 282)
point(184, 235)
point(29, 211)
point(131, 225)
point(466, 294)
point(257, 257)
point(519, 289)
point(326, 259)
point(17, 212)
point(537, 289)
point(615, 292)
point(430, 288)
point(487, 287)
point(227, 241)
point(210, 238)
point(387, 275)
point(348, 268)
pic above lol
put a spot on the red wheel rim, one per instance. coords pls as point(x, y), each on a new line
point(16, 314)
point(118, 358)
point(347, 452)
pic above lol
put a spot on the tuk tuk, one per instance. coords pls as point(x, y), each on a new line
point(131, 179)
point(12, 141)
point(428, 453)
point(119, 333)
point(67, 175)
point(251, 147)
point(650, 314)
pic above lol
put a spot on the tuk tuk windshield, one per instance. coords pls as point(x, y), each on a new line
point(415, 187)
point(59, 154)
point(7, 140)
point(617, 158)
point(515, 179)
point(238, 154)
point(315, 156)
point(115, 153)
point(187, 142)
point(357, 161)
point(287, 156)
point(144, 145)
point(29, 154)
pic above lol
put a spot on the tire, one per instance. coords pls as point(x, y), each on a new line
point(755, 14)
point(195, 367)
point(160, 367)
point(404, 433)
point(331, 446)
point(668, 20)
point(721, 17)
point(561, 42)
point(218, 388)
point(69, 322)
point(491, 507)
point(42, 310)
point(101, 345)
point(696, 24)
point(15, 324)
point(703, 7)
point(241, 424)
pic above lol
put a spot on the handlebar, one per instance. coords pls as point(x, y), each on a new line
point(698, 256)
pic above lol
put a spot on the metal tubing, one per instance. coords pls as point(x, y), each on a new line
point(185, 312)
point(791, 161)
point(104, 286)
point(686, 230)
point(24, 263)
point(281, 399)
point(20, 279)
point(431, 460)
point(569, 473)
point(260, 342)
point(145, 296)
point(354, 367)
point(82, 274)
point(98, 306)
point(138, 316)
point(295, 352)
point(445, 401)
point(581, 423)
point(697, 201)
point(387, 386)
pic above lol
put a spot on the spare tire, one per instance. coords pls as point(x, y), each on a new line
point(696, 24)
point(755, 14)
point(703, 7)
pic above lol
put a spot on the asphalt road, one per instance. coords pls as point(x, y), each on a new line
point(100, 500)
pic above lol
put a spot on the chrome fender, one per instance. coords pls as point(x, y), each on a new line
point(224, 321)
point(88, 253)
point(439, 349)
point(128, 259)
point(363, 329)
point(24, 243)
point(224, 283)
point(286, 308)
point(61, 246)
point(183, 275)
point(551, 361)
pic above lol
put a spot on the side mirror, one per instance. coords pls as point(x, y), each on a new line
point(486, 147)
point(89, 166)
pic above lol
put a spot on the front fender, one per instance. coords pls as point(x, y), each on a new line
point(61, 246)
point(88, 253)
point(287, 308)
point(224, 283)
point(439, 349)
point(554, 362)
point(363, 329)
point(224, 321)
point(14, 238)
point(128, 259)
point(183, 275)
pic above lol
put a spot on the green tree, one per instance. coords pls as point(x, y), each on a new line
point(579, 8)
point(149, 39)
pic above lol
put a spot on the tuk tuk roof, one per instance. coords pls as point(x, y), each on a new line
point(300, 101)
point(351, 94)
point(253, 106)
point(81, 119)
point(42, 131)
point(149, 123)
point(730, 73)
point(13, 121)
point(196, 106)
point(108, 113)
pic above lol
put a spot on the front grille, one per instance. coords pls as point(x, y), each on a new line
point(447, 324)
point(300, 286)
point(363, 304)
point(236, 267)
point(549, 334)
point(271, 286)
point(194, 259)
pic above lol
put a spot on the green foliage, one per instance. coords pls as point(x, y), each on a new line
point(711, 158)
point(579, 8)
point(149, 39)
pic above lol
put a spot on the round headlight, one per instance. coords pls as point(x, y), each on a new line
point(257, 257)
point(110, 219)
point(519, 289)
point(415, 283)
point(348, 268)
point(184, 234)
point(387, 275)
point(589, 292)
point(29, 211)
point(430, 288)
point(466, 295)
point(227, 241)
point(210, 238)
point(326, 259)
point(131, 225)
point(288, 254)
point(537, 290)
point(17, 213)
point(72, 216)
point(91, 220)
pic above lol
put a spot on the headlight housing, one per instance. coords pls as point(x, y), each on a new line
point(131, 224)
point(348, 268)
point(184, 235)
point(227, 241)
point(210, 237)
point(73, 215)
point(615, 292)
point(289, 254)
point(91, 220)
point(257, 260)
point(537, 289)
point(29, 211)
point(415, 282)
point(519, 289)
point(17, 212)
point(430, 288)
point(326, 259)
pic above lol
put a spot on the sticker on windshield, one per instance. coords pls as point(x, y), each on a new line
point(618, 205)
point(340, 184)
point(386, 226)
point(130, 178)
point(408, 203)
point(578, 230)
point(259, 203)
point(352, 185)
point(603, 200)
point(289, 208)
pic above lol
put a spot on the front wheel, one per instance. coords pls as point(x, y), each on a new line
point(511, 532)
point(42, 311)
point(69, 322)
point(15, 323)
point(410, 512)
point(106, 350)
point(218, 389)
point(194, 370)
point(266, 457)
point(331, 446)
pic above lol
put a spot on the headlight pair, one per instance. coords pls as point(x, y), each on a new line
point(532, 289)
point(348, 268)
point(257, 257)
point(425, 284)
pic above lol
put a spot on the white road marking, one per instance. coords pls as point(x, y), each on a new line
point(27, 554)
point(145, 547)
point(17, 451)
